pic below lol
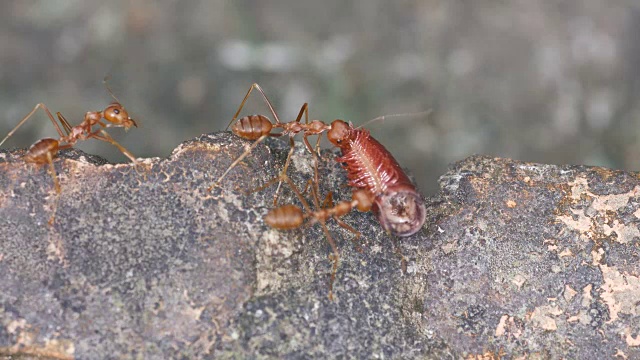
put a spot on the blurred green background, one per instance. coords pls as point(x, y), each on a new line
point(552, 81)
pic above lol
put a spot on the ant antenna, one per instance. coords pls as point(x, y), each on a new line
point(383, 117)
point(105, 82)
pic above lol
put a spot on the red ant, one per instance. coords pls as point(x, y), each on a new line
point(288, 217)
point(259, 127)
point(45, 150)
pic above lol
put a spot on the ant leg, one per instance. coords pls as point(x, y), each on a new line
point(307, 144)
point(64, 123)
point(303, 110)
point(354, 231)
point(104, 136)
point(316, 158)
point(237, 161)
point(266, 100)
point(334, 257)
point(29, 115)
point(398, 251)
point(283, 173)
point(307, 186)
point(263, 186)
point(328, 200)
point(326, 203)
point(349, 228)
point(52, 171)
point(56, 184)
point(295, 189)
point(284, 178)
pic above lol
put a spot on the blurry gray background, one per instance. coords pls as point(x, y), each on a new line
point(552, 81)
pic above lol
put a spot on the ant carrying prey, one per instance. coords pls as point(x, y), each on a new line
point(43, 151)
point(378, 181)
point(369, 165)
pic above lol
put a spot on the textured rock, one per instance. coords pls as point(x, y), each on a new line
point(515, 259)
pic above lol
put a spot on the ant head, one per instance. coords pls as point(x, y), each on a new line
point(339, 132)
point(115, 113)
point(118, 116)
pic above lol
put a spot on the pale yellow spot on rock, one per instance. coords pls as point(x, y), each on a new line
point(619, 353)
point(620, 292)
point(597, 255)
point(565, 252)
point(625, 233)
point(500, 329)
point(449, 247)
point(631, 341)
point(15, 325)
point(508, 327)
point(518, 280)
point(569, 293)
point(578, 187)
point(542, 317)
point(582, 224)
point(613, 202)
point(586, 295)
point(600, 205)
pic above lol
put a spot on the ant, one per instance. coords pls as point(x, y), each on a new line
point(259, 127)
point(289, 216)
point(43, 151)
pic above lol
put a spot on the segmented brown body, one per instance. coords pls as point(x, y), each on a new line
point(252, 127)
point(285, 217)
point(398, 205)
point(39, 152)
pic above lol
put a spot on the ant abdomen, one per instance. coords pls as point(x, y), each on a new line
point(38, 152)
point(252, 127)
point(285, 217)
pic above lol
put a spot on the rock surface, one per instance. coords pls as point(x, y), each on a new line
point(515, 260)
